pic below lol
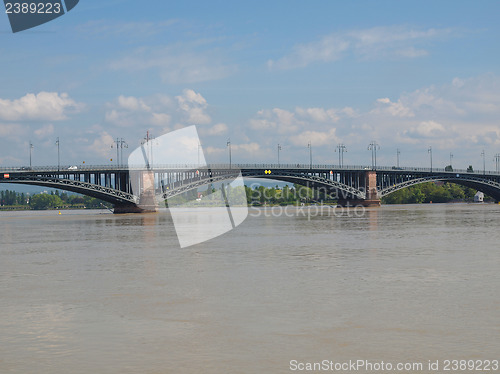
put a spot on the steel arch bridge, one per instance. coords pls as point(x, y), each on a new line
point(354, 185)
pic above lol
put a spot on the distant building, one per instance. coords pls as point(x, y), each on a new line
point(479, 197)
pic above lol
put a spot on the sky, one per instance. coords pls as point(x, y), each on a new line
point(409, 75)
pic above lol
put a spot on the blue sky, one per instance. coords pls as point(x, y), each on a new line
point(407, 74)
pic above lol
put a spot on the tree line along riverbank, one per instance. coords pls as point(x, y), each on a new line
point(256, 195)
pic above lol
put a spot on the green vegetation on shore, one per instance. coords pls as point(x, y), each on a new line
point(258, 195)
point(11, 200)
point(432, 192)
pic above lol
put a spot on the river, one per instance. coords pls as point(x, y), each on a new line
point(93, 292)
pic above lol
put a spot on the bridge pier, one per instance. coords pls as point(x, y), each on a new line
point(372, 198)
point(129, 208)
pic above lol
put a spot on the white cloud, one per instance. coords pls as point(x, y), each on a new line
point(317, 138)
point(160, 119)
point(395, 109)
point(318, 114)
point(395, 41)
point(213, 151)
point(427, 129)
point(101, 145)
point(328, 48)
point(193, 106)
point(128, 111)
point(218, 129)
point(132, 103)
point(250, 148)
point(161, 111)
point(44, 131)
point(44, 106)
point(454, 117)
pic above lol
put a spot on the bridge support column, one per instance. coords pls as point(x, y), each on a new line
point(372, 198)
point(147, 199)
point(127, 208)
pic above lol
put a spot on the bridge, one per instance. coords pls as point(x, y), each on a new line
point(349, 184)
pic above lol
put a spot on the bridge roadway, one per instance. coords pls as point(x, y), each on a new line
point(127, 187)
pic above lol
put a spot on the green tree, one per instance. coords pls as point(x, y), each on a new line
point(45, 201)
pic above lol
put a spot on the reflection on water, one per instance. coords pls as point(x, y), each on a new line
point(93, 292)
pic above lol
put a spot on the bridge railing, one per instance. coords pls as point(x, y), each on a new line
point(64, 169)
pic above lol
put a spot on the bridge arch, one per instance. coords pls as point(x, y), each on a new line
point(485, 185)
point(335, 188)
point(110, 195)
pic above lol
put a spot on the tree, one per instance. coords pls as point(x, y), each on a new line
point(45, 201)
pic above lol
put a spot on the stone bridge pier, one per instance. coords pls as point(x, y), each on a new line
point(372, 198)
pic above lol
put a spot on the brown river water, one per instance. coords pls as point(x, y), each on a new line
point(93, 292)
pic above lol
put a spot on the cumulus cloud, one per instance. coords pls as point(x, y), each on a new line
point(462, 113)
point(101, 145)
point(395, 109)
point(318, 114)
point(317, 138)
point(193, 106)
point(161, 111)
point(398, 41)
point(218, 129)
point(44, 106)
point(427, 129)
point(132, 103)
point(44, 131)
point(245, 150)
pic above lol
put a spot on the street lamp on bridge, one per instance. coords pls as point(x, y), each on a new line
point(228, 144)
point(120, 144)
point(483, 155)
point(279, 149)
point(429, 151)
point(31, 148)
point(310, 155)
point(58, 157)
point(373, 147)
point(398, 152)
point(451, 160)
point(497, 160)
point(342, 148)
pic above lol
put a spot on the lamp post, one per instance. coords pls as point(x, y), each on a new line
point(398, 152)
point(373, 147)
point(120, 144)
point(451, 160)
point(483, 154)
point(430, 153)
point(342, 148)
point(123, 144)
point(58, 156)
point(310, 155)
point(497, 160)
point(228, 144)
point(31, 148)
point(149, 142)
point(279, 149)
